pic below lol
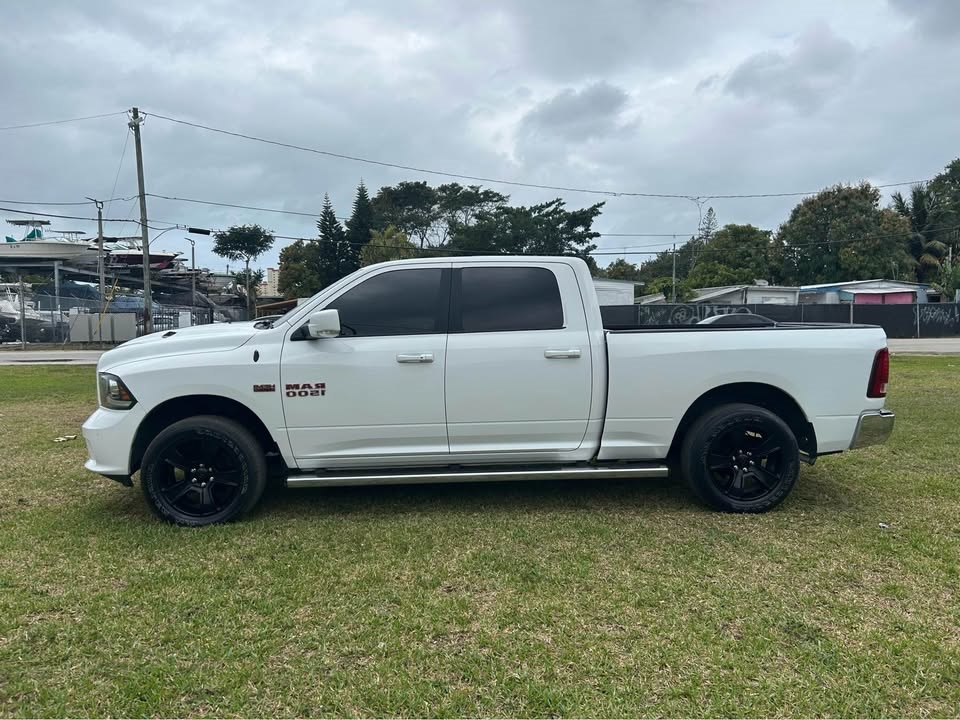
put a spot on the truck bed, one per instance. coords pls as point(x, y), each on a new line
point(656, 373)
point(697, 327)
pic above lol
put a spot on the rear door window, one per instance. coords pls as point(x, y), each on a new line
point(496, 299)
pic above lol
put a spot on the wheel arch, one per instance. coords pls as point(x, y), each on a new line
point(762, 395)
point(184, 406)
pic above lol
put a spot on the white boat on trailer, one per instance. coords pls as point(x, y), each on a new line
point(34, 246)
point(10, 308)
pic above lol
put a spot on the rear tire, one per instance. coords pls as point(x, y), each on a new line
point(740, 458)
point(202, 471)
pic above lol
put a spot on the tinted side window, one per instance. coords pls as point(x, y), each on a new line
point(399, 302)
point(509, 298)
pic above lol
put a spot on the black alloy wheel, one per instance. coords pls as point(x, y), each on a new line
point(203, 470)
point(741, 458)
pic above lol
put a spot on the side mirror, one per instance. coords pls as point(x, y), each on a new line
point(323, 324)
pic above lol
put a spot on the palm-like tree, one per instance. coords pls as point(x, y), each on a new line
point(924, 211)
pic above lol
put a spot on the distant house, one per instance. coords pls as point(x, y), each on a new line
point(655, 299)
point(865, 292)
point(757, 294)
point(615, 292)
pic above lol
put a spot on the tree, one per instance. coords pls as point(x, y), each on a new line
point(429, 215)
point(299, 277)
point(694, 247)
point(361, 222)
point(881, 253)
point(661, 265)
point(335, 257)
point(408, 206)
point(459, 206)
point(841, 234)
point(749, 252)
point(665, 285)
point(386, 245)
point(946, 187)
point(710, 273)
point(708, 226)
point(949, 281)
point(243, 242)
point(620, 269)
point(544, 229)
point(251, 289)
point(924, 211)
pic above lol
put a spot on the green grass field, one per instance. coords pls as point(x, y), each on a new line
point(549, 598)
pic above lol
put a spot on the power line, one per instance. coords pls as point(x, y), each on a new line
point(669, 235)
point(123, 153)
point(454, 251)
point(599, 234)
point(73, 217)
point(60, 122)
point(316, 215)
point(239, 207)
point(500, 181)
point(45, 204)
point(629, 250)
point(633, 250)
point(50, 204)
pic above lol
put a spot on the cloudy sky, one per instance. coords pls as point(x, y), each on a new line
point(681, 97)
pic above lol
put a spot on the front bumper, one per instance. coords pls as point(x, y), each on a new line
point(109, 436)
point(873, 428)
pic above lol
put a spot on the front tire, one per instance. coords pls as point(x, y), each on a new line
point(202, 471)
point(740, 458)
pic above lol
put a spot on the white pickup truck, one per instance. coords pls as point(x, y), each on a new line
point(481, 368)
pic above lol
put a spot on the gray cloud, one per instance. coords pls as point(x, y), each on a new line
point(543, 92)
point(933, 18)
point(577, 115)
point(803, 77)
point(567, 40)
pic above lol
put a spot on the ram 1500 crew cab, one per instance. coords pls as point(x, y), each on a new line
point(483, 368)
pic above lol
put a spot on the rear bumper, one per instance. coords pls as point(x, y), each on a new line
point(873, 428)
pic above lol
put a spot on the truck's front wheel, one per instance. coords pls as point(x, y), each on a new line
point(203, 470)
point(740, 458)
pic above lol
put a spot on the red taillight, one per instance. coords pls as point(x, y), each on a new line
point(880, 375)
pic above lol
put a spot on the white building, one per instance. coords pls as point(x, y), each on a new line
point(758, 294)
point(615, 292)
point(269, 287)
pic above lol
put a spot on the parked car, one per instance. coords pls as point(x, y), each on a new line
point(486, 368)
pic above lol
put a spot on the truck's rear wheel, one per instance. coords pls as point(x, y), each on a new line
point(740, 458)
point(203, 470)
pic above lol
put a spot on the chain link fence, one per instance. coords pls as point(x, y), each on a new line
point(35, 316)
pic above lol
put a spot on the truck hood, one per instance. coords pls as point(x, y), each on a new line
point(217, 337)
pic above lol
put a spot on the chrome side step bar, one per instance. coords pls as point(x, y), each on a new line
point(446, 475)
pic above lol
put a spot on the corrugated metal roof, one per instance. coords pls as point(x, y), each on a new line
point(842, 285)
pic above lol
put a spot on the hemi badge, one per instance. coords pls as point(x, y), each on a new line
point(264, 388)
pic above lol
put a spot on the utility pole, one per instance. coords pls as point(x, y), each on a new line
point(193, 273)
point(23, 316)
point(101, 269)
point(135, 123)
point(673, 285)
point(56, 292)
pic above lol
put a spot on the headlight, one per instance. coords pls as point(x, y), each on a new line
point(113, 393)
